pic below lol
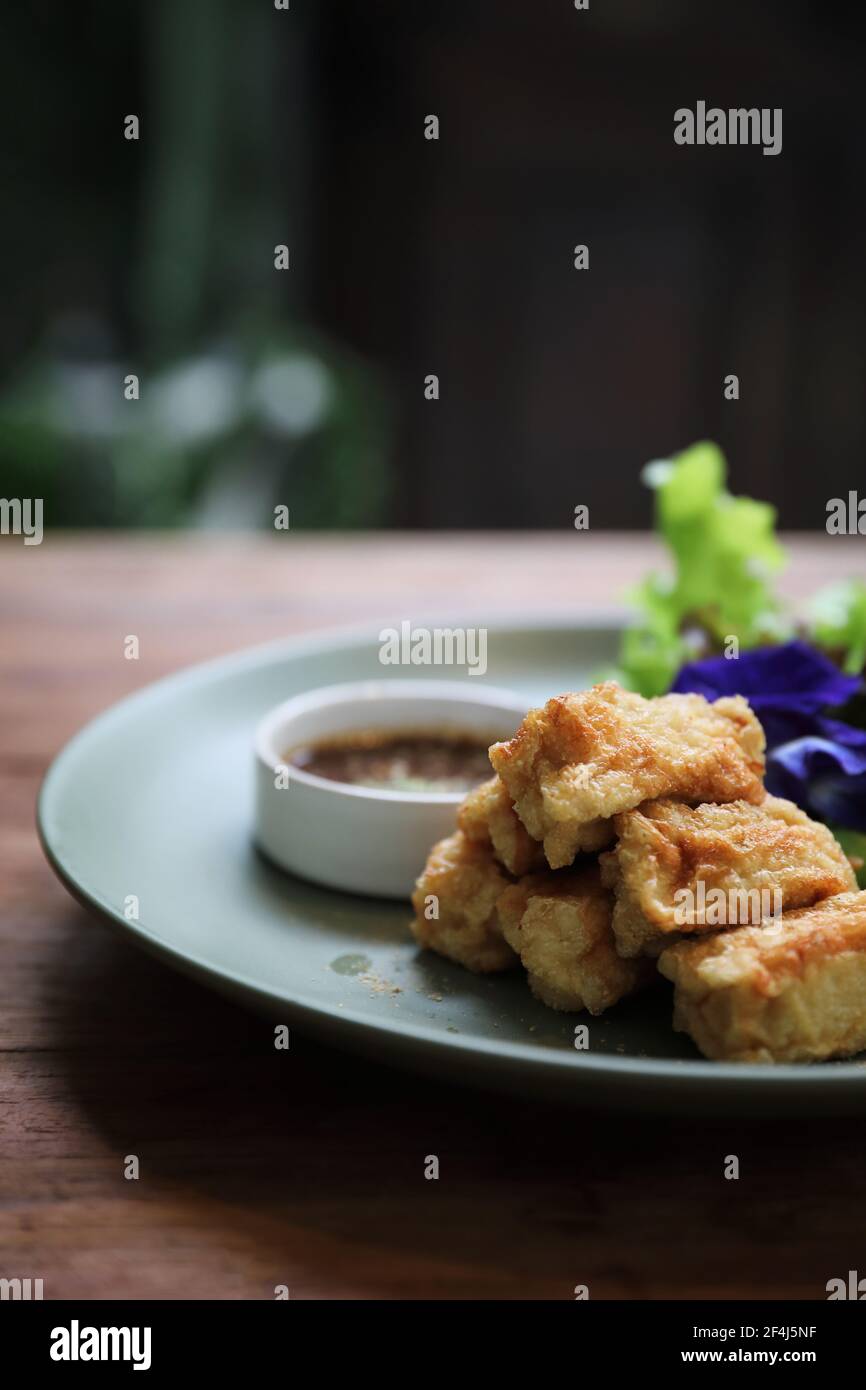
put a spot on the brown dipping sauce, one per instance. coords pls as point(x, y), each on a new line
point(404, 760)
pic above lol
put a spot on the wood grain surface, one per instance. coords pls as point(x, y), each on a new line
point(306, 1169)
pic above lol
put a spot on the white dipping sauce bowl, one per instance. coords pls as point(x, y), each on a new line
point(360, 839)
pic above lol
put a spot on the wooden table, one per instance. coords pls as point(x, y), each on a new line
point(252, 1175)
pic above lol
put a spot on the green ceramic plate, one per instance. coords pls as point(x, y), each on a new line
point(154, 799)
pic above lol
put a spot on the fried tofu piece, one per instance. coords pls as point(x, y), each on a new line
point(461, 883)
point(559, 924)
point(793, 990)
point(487, 816)
point(589, 756)
point(679, 869)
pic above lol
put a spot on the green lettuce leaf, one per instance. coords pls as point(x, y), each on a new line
point(724, 552)
point(837, 620)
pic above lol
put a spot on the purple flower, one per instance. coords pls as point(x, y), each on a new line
point(787, 686)
point(827, 779)
point(812, 758)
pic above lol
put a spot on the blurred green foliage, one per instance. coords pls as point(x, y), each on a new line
point(242, 406)
point(219, 439)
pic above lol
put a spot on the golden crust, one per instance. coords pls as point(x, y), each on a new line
point(723, 860)
point(586, 757)
point(793, 990)
point(464, 881)
point(488, 817)
point(559, 924)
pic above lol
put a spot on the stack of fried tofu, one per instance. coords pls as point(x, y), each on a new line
point(622, 837)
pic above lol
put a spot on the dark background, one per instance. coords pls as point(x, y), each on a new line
point(410, 256)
